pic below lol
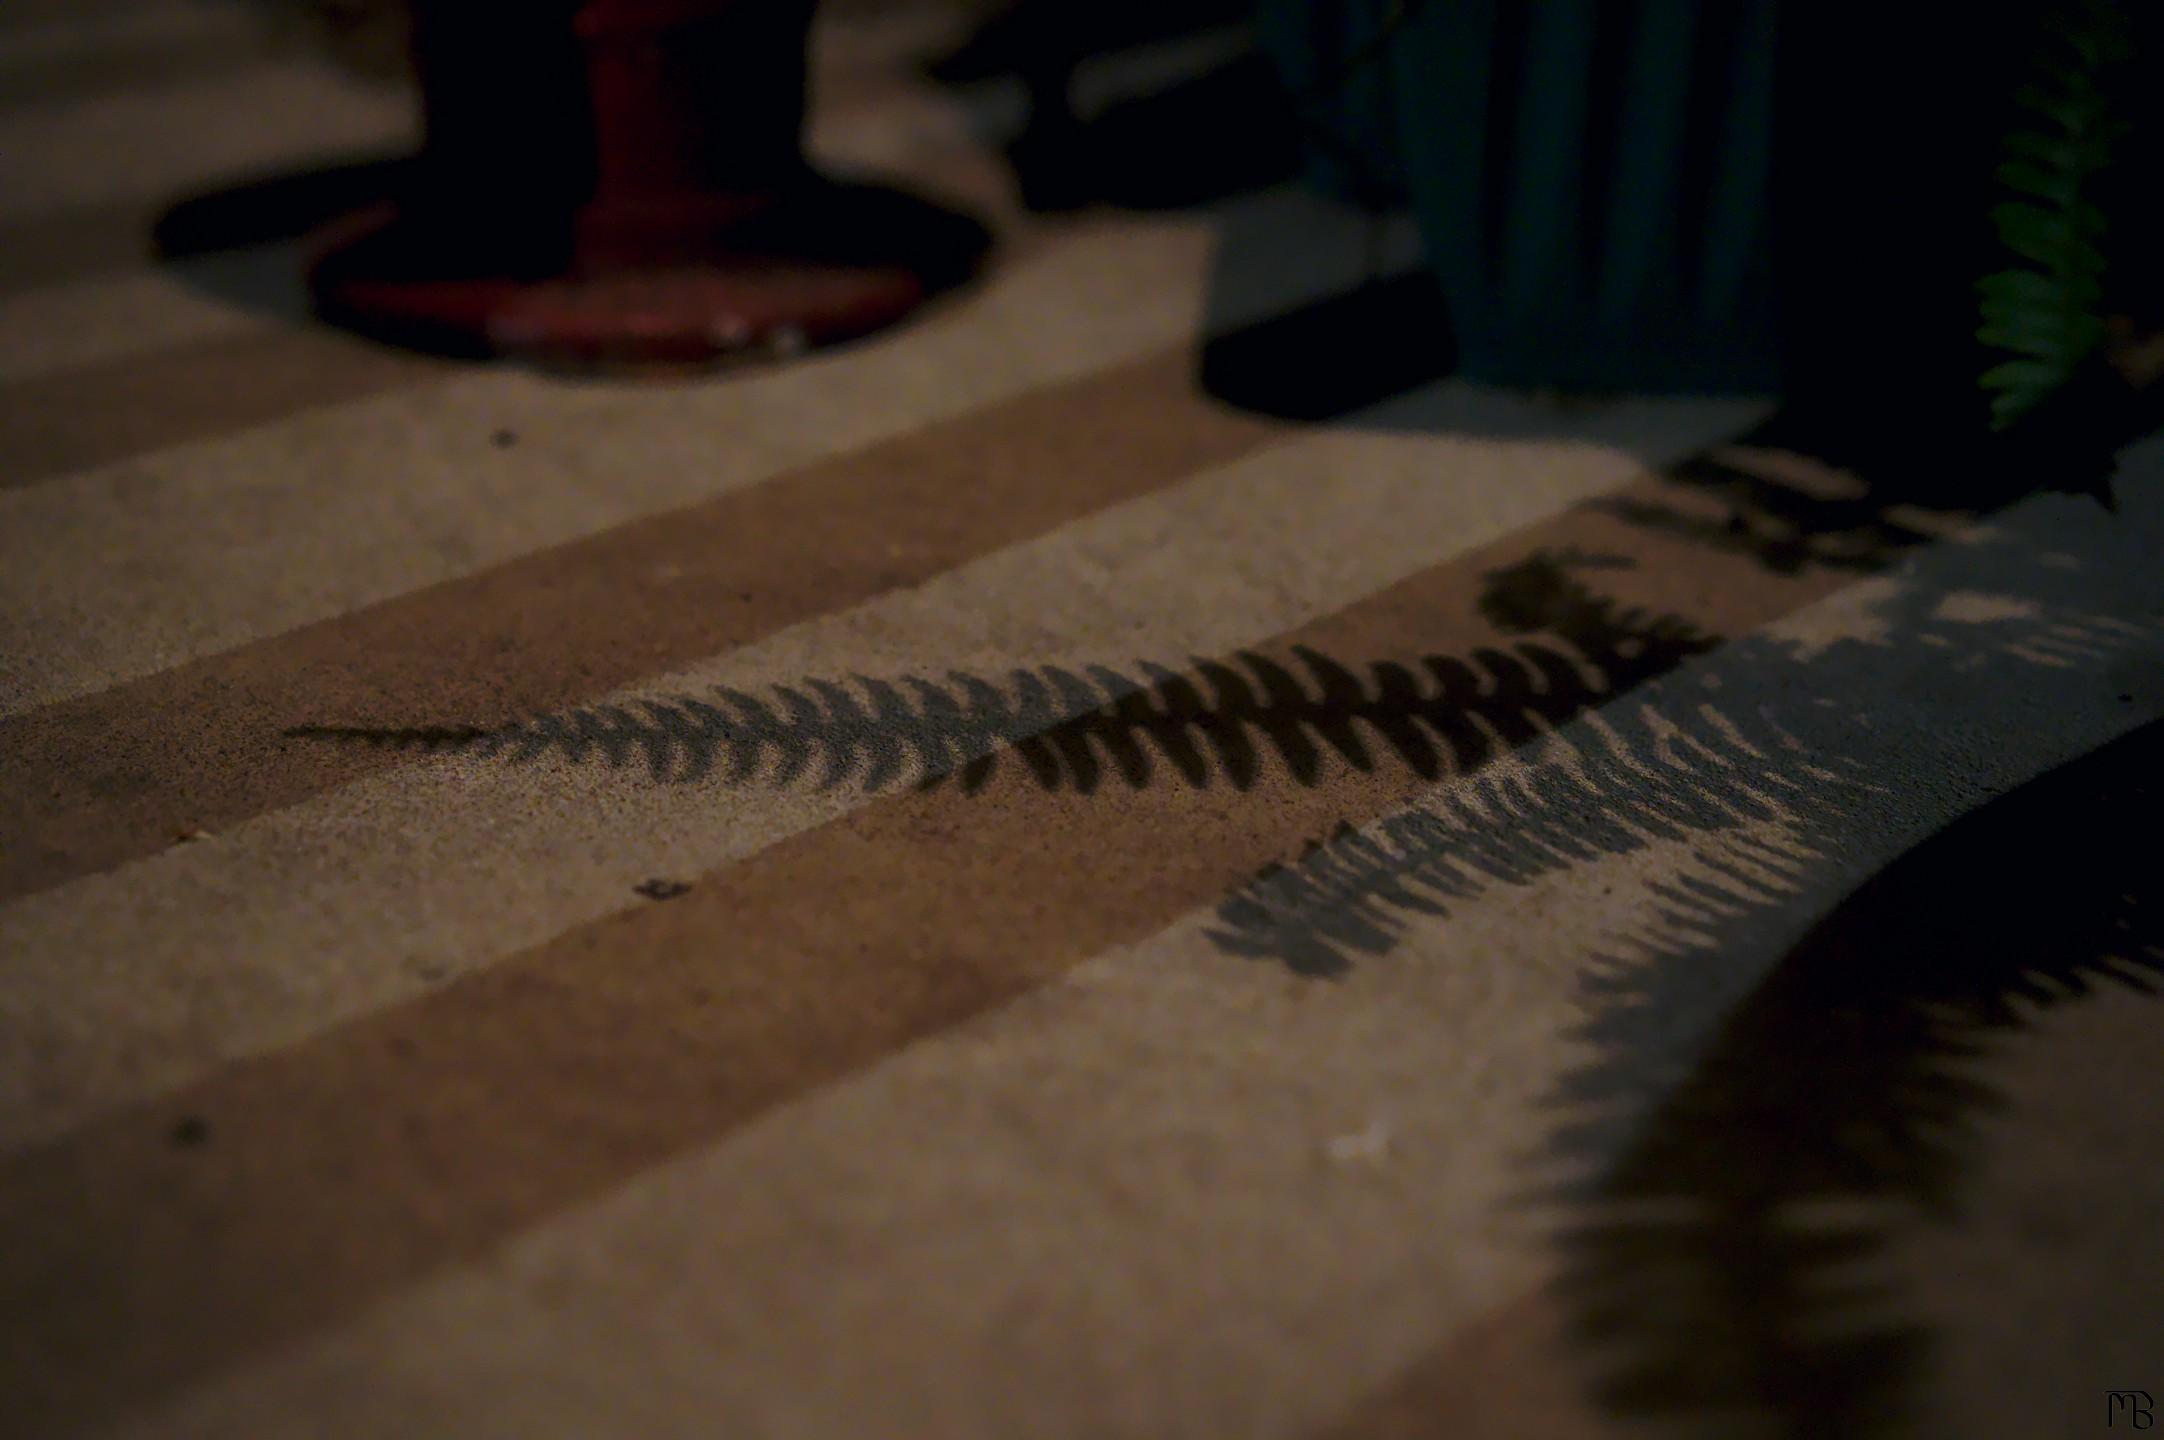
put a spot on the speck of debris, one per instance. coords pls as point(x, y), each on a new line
point(663, 889)
point(191, 1131)
point(504, 439)
point(184, 837)
point(2126, 699)
point(1364, 1147)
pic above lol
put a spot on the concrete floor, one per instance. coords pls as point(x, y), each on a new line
point(1497, 915)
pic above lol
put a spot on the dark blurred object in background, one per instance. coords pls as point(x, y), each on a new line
point(368, 38)
point(1727, 195)
point(619, 182)
point(1220, 128)
point(1614, 195)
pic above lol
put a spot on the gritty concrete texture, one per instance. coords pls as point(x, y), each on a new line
point(969, 888)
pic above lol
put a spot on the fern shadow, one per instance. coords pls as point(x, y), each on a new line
point(1721, 1265)
point(1723, 1199)
point(1083, 728)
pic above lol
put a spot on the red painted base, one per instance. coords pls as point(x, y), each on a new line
point(823, 264)
point(622, 182)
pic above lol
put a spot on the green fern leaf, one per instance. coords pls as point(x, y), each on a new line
point(2034, 233)
point(2019, 287)
point(2072, 294)
point(2045, 314)
point(2026, 177)
point(2018, 375)
point(2020, 386)
point(2100, 37)
point(2064, 336)
point(2059, 152)
point(2073, 118)
point(2036, 344)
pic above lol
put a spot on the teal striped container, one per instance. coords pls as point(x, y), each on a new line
point(1592, 178)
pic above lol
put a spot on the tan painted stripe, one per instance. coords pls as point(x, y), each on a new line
point(369, 505)
point(1106, 1209)
point(132, 146)
point(95, 782)
point(121, 985)
point(223, 369)
point(138, 363)
point(1519, 1370)
point(1509, 1375)
point(79, 419)
point(75, 244)
point(370, 1156)
point(1109, 1209)
point(345, 507)
point(129, 364)
point(59, 79)
point(27, 43)
point(38, 23)
point(157, 56)
point(97, 322)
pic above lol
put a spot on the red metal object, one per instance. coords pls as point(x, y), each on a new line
point(623, 181)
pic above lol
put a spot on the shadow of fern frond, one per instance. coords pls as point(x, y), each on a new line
point(1724, 1205)
point(1082, 727)
point(1786, 528)
point(1617, 779)
point(1837, 1103)
point(1723, 1197)
point(426, 739)
point(1616, 786)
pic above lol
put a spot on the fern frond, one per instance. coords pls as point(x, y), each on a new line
point(2045, 313)
point(2049, 184)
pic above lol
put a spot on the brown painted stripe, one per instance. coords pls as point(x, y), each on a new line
point(116, 775)
point(75, 245)
point(21, 15)
point(96, 414)
point(373, 1155)
point(91, 415)
point(81, 75)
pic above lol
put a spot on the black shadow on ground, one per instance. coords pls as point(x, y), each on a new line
point(1723, 1199)
point(1212, 721)
point(1720, 1264)
point(1207, 720)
